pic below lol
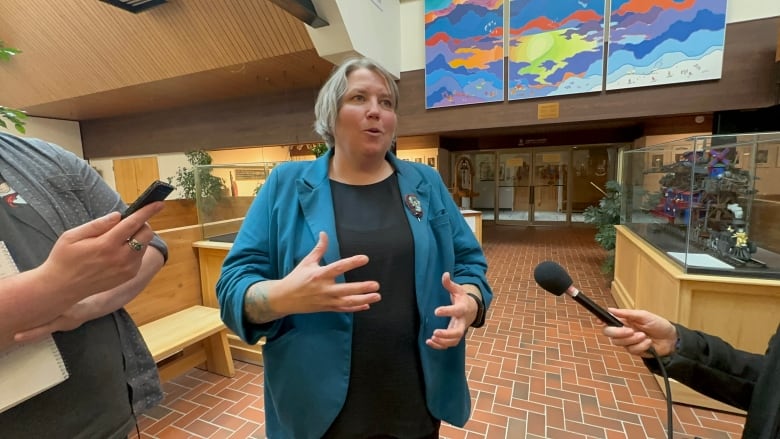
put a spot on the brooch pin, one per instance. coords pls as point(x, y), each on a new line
point(414, 205)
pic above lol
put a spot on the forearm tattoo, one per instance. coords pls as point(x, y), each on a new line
point(256, 306)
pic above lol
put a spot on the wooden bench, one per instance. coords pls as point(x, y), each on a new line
point(185, 339)
point(181, 333)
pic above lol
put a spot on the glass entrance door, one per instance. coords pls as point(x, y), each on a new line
point(551, 172)
point(514, 187)
point(532, 187)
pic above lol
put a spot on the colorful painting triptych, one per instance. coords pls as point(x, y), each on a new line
point(557, 47)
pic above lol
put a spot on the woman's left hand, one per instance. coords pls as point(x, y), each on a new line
point(462, 313)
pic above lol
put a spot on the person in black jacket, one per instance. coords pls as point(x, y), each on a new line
point(708, 365)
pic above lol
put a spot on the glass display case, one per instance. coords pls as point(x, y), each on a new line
point(223, 194)
point(708, 202)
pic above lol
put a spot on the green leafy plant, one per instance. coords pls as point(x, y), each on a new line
point(605, 217)
point(7, 52)
point(16, 117)
point(318, 149)
point(199, 177)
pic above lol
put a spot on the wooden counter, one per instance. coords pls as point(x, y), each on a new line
point(211, 254)
point(742, 311)
point(474, 219)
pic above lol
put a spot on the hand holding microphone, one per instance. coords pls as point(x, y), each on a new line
point(644, 331)
point(554, 279)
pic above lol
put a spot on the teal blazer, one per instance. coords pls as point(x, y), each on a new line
point(307, 356)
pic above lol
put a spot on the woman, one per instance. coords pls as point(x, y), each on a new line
point(362, 274)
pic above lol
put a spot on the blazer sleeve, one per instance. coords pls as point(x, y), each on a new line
point(470, 263)
point(249, 261)
point(712, 367)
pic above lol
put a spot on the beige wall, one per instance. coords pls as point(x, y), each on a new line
point(768, 175)
point(64, 133)
point(168, 164)
point(256, 154)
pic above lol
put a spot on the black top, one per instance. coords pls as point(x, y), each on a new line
point(386, 395)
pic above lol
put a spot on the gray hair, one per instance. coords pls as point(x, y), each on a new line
point(329, 100)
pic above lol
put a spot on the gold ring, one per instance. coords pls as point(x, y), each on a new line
point(135, 244)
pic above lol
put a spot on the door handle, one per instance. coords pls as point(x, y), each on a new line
point(531, 193)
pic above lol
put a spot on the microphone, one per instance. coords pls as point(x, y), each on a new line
point(554, 279)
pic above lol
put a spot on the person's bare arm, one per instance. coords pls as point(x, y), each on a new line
point(100, 304)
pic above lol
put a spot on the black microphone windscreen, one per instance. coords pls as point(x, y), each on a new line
point(552, 277)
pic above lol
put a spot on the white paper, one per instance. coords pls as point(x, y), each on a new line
point(701, 260)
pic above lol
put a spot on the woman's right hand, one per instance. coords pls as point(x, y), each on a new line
point(96, 256)
point(642, 331)
point(311, 287)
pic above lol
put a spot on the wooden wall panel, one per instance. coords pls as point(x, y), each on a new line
point(276, 119)
point(177, 285)
point(418, 142)
point(777, 53)
point(177, 213)
point(748, 82)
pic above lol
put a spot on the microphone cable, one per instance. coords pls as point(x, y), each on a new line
point(669, 412)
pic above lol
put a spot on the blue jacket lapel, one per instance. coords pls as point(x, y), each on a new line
point(317, 204)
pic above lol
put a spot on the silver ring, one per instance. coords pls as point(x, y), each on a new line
point(135, 244)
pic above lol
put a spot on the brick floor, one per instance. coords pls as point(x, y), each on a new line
point(539, 368)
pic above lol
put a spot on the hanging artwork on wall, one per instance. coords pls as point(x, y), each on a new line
point(556, 47)
point(665, 42)
point(464, 52)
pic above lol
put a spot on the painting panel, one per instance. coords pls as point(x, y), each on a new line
point(656, 160)
point(665, 42)
point(766, 156)
point(464, 52)
point(485, 167)
point(556, 47)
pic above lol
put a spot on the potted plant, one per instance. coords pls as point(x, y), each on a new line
point(605, 217)
point(198, 178)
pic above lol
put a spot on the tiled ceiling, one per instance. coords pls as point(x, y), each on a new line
point(85, 59)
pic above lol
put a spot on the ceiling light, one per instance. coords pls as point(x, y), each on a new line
point(134, 6)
